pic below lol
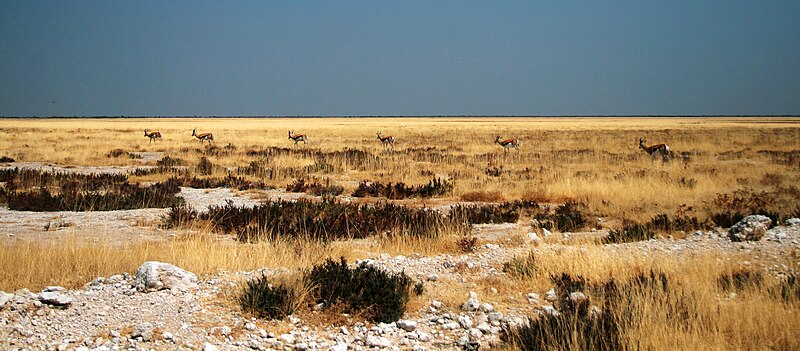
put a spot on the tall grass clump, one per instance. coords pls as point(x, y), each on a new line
point(435, 187)
point(89, 193)
point(626, 307)
point(264, 300)
point(375, 294)
point(327, 220)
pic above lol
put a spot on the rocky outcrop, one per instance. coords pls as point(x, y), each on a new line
point(153, 276)
point(750, 228)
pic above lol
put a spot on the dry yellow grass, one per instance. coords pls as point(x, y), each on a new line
point(593, 160)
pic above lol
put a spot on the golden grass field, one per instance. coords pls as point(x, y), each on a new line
point(595, 161)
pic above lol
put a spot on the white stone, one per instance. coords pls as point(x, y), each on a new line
point(55, 299)
point(472, 304)
point(475, 333)
point(152, 276)
point(436, 304)
point(551, 295)
point(5, 298)
point(792, 222)
point(407, 325)
point(487, 307)
point(577, 296)
point(339, 346)
point(378, 341)
point(210, 347)
point(287, 338)
point(750, 228)
point(546, 233)
point(301, 346)
point(249, 326)
point(465, 321)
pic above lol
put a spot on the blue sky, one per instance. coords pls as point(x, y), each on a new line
point(206, 58)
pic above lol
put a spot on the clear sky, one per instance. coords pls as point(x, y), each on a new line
point(206, 58)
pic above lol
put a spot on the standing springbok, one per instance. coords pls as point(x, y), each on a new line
point(298, 138)
point(203, 136)
point(154, 136)
point(655, 150)
point(387, 141)
point(508, 143)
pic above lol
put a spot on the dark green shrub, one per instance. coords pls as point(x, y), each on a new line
point(267, 301)
point(507, 212)
point(6, 159)
point(327, 220)
point(205, 167)
point(74, 196)
point(630, 232)
point(179, 216)
point(435, 187)
point(365, 290)
point(567, 217)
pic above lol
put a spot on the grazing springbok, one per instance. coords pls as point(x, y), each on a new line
point(154, 136)
point(387, 141)
point(508, 143)
point(655, 150)
point(298, 138)
point(203, 136)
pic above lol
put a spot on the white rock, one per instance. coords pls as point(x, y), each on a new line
point(301, 346)
point(5, 298)
point(475, 333)
point(533, 298)
point(495, 317)
point(472, 304)
point(225, 330)
point(55, 299)
point(546, 233)
point(378, 341)
point(168, 336)
point(152, 276)
point(423, 336)
point(53, 289)
point(287, 338)
point(339, 346)
point(550, 310)
point(577, 296)
point(750, 228)
point(487, 307)
point(436, 304)
point(792, 222)
point(551, 295)
point(249, 326)
point(407, 325)
point(532, 237)
point(465, 321)
point(210, 347)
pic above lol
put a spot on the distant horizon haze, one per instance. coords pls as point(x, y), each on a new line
point(405, 59)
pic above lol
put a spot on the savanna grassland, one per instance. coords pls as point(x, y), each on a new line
point(720, 170)
point(594, 161)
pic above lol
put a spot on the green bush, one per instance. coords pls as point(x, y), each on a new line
point(365, 290)
point(265, 300)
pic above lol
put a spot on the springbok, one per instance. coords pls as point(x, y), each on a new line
point(387, 141)
point(508, 143)
point(655, 150)
point(203, 136)
point(298, 138)
point(154, 136)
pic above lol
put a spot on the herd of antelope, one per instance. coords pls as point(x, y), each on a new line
point(655, 151)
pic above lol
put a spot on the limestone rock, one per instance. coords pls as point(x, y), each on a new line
point(750, 228)
point(55, 299)
point(153, 276)
point(407, 325)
